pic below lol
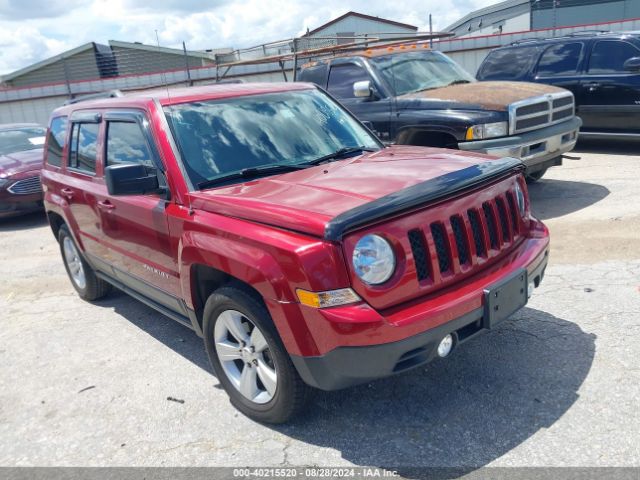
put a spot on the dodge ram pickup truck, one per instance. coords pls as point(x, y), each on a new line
point(304, 251)
point(410, 95)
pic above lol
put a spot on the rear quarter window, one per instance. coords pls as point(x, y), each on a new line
point(315, 74)
point(56, 138)
point(508, 63)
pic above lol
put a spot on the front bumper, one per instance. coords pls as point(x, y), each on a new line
point(345, 366)
point(12, 207)
point(537, 149)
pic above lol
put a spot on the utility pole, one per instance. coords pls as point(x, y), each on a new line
point(186, 64)
point(430, 32)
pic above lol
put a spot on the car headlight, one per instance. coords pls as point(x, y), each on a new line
point(3, 182)
point(487, 130)
point(373, 259)
point(520, 199)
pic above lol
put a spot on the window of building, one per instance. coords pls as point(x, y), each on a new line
point(55, 140)
point(560, 60)
point(608, 56)
point(84, 142)
point(126, 143)
point(342, 78)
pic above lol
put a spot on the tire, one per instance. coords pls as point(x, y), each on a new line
point(535, 176)
point(82, 276)
point(232, 312)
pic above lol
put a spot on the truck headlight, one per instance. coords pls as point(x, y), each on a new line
point(3, 182)
point(373, 259)
point(487, 130)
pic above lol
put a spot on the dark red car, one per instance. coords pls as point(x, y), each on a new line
point(266, 218)
point(20, 164)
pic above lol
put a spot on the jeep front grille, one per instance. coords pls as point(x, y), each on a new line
point(466, 239)
point(540, 112)
point(26, 187)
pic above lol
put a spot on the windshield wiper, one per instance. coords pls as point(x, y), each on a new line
point(252, 172)
point(340, 153)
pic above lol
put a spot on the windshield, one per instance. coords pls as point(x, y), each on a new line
point(219, 137)
point(21, 139)
point(411, 72)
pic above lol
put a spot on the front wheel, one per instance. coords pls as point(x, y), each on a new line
point(249, 359)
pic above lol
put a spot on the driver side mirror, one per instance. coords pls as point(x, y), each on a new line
point(363, 89)
point(131, 179)
point(632, 64)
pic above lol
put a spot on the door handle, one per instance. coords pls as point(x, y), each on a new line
point(106, 205)
point(593, 86)
point(67, 192)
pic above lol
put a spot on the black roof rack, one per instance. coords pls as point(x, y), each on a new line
point(94, 96)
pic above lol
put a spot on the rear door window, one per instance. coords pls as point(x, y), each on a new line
point(84, 147)
point(508, 64)
point(342, 78)
point(608, 56)
point(560, 60)
point(55, 140)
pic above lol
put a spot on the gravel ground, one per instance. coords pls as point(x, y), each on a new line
point(558, 385)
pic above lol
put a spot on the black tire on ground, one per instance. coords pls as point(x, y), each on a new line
point(94, 287)
point(291, 393)
point(535, 176)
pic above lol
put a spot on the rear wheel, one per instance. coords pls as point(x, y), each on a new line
point(535, 176)
point(248, 357)
point(82, 276)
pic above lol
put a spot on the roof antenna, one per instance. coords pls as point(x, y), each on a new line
point(164, 76)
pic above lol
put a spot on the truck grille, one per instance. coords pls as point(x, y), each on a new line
point(539, 112)
point(475, 235)
point(26, 187)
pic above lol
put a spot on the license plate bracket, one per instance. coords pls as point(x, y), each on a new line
point(503, 299)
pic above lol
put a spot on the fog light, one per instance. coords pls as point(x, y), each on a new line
point(530, 290)
point(445, 346)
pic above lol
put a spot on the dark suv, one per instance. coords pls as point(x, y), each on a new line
point(602, 69)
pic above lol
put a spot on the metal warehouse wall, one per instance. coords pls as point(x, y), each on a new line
point(578, 12)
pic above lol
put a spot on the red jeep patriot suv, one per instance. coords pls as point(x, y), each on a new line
point(270, 221)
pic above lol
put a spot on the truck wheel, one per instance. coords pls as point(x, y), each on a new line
point(249, 359)
point(535, 176)
point(82, 276)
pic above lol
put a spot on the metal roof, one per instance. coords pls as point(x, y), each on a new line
point(360, 15)
point(487, 11)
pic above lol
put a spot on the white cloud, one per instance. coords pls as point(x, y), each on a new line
point(201, 24)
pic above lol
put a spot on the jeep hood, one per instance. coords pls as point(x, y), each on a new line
point(307, 200)
point(493, 96)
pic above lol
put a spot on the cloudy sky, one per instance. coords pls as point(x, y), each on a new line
point(31, 30)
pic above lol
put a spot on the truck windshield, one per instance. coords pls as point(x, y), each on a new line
point(21, 139)
point(415, 71)
point(218, 138)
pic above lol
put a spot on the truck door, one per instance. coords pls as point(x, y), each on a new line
point(610, 94)
point(135, 227)
point(375, 109)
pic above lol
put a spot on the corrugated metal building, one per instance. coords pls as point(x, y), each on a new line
point(354, 24)
point(94, 61)
point(521, 15)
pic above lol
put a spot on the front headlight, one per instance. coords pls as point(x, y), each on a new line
point(487, 130)
point(373, 259)
point(3, 182)
point(520, 199)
